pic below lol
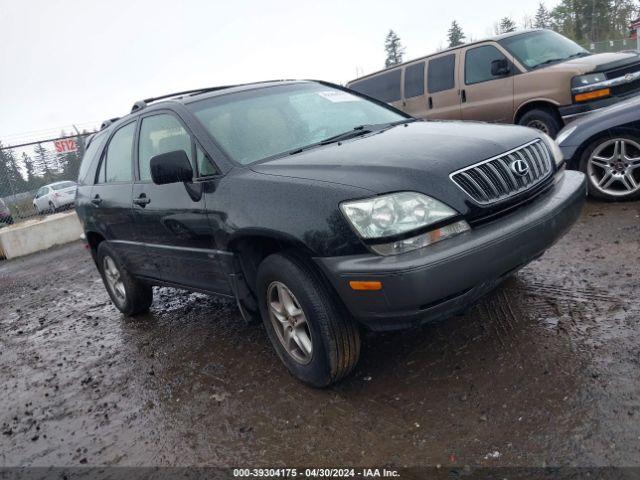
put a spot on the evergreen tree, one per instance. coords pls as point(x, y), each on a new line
point(505, 25)
point(394, 49)
point(542, 18)
point(42, 163)
point(28, 167)
point(455, 36)
point(11, 181)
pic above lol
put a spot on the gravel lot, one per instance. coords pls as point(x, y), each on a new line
point(545, 371)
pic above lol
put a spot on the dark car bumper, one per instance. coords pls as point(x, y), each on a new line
point(449, 276)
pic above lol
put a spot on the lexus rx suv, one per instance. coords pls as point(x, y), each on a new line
point(318, 209)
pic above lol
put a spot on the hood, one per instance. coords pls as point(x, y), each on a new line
point(417, 156)
point(597, 63)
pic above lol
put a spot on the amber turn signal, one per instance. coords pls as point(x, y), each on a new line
point(359, 285)
point(583, 97)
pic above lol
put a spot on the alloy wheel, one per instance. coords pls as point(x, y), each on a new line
point(114, 279)
point(289, 322)
point(614, 167)
point(539, 125)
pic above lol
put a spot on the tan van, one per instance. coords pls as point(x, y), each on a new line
point(536, 78)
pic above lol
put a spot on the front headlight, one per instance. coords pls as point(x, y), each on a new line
point(556, 153)
point(396, 214)
point(582, 81)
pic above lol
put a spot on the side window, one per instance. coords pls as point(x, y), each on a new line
point(204, 165)
point(384, 87)
point(441, 73)
point(95, 146)
point(117, 160)
point(477, 64)
point(414, 80)
point(161, 133)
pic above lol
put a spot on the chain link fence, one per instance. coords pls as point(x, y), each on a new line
point(38, 178)
point(623, 44)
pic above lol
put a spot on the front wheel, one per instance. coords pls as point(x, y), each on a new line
point(612, 166)
point(542, 119)
point(129, 295)
point(313, 335)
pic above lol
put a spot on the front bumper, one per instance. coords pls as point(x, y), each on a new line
point(572, 112)
point(447, 277)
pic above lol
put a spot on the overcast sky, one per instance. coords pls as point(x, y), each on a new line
point(65, 62)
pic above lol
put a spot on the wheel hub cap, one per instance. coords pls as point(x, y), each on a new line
point(289, 322)
point(114, 279)
point(614, 167)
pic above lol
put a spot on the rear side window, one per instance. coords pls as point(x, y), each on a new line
point(414, 80)
point(477, 64)
point(161, 134)
point(384, 87)
point(117, 161)
point(89, 157)
point(441, 73)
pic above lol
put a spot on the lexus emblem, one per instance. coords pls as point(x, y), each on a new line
point(519, 167)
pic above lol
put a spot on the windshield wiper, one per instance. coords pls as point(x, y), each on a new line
point(363, 130)
point(349, 134)
point(554, 60)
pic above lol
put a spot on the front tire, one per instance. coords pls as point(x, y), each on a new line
point(128, 294)
point(313, 335)
point(543, 119)
point(612, 166)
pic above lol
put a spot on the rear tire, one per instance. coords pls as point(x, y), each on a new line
point(543, 119)
point(332, 335)
point(129, 295)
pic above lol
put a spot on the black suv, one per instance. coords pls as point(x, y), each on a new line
point(318, 209)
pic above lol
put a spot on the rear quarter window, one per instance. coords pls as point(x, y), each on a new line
point(384, 87)
point(90, 159)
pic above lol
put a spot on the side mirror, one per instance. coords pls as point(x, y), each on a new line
point(500, 68)
point(171, 167)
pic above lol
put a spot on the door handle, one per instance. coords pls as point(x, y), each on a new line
point(96, 200)
point(142, 200)
point(463, 95)
point(430, 103)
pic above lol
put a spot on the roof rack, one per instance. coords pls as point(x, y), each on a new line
point(108, 122)
point(140, 104)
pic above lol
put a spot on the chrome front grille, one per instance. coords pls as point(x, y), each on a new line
point(494, 180)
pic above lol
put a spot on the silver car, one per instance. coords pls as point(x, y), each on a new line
point(55, 196)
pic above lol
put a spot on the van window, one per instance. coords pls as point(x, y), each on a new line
point(441, 73)
point(414, 80)
point(477, 64)
point(118, 158)
point(384, 87)
point(160, 134)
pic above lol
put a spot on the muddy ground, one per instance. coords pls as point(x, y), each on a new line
point(545, 371)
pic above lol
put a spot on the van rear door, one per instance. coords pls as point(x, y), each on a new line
point(486, 95)
point(442, 100)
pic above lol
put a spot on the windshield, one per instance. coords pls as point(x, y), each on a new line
point(60, 186)
point(257, 124)
point(536, 49)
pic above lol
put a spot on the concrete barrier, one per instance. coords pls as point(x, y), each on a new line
point(39, 234)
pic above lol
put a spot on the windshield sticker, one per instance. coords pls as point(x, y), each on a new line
point(338, 96)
